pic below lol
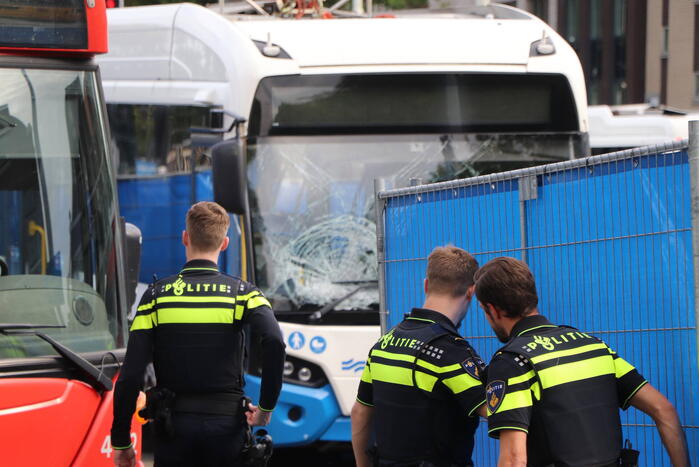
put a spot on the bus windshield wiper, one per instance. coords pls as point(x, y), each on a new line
point(316, 316)
point(95, 377)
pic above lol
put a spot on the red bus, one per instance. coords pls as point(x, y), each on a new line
point(65, 281)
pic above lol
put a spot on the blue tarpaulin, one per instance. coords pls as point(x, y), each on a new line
point(158, 205)
point(609, 240)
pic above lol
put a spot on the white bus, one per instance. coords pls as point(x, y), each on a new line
point(323, 108)
point(618, 127)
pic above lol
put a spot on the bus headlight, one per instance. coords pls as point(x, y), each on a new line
point(288, 368)
point(296, 370)
point(305, 374)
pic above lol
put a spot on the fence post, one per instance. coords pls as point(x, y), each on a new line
point(527, 191)
point(694, 186)
point(379, 205)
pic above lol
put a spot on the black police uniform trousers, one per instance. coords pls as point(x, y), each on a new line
point(201, 440)
point(382, 463)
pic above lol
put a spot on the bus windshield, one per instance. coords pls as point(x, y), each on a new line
point(57, 246)
point(311, 201)
point(317, 142)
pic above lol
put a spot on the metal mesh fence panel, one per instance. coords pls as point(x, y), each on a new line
point(609, 240)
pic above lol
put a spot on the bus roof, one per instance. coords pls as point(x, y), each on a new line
point(398, 41)
point(444, 40)
point(182, 53)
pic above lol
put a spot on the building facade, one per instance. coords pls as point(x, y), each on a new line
point(631, 51)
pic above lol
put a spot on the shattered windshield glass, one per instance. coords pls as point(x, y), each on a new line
point(311, 200)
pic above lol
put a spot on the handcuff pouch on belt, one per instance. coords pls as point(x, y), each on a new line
point(629, 456)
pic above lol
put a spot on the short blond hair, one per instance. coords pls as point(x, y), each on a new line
point(207, 225)
point(450, 271)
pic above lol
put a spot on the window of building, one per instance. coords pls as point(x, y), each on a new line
point(696, 36)
point(541, 9)
point(619, 85)
point(596, 52)
point(572, 11)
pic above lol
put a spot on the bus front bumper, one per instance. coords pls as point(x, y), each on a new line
point(303, 415)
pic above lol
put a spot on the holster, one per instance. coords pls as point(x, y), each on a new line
point(258, 447)
point(159, 406)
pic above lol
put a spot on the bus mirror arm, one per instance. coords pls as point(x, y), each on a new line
point(235, 125)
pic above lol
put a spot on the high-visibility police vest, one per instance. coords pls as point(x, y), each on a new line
point(416, 425)
point(575, 415)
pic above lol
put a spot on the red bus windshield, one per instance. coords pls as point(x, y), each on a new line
point(57, 223)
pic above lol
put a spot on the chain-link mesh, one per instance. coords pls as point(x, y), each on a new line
point(609, 240)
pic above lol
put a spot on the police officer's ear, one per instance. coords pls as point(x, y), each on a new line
point(488, 308)
point(493, 311)
point(470, 291)
point(185, 238)
point(224, 244)
point(425, 285)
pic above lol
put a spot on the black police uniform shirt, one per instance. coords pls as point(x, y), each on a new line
point(438, 421)
point(190, 325)
point(564, 388)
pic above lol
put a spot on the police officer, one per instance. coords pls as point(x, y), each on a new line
point(421, 386)
point(191, 326)
point(553, 392)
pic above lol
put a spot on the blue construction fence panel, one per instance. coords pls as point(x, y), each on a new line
point(609, 243)
point(158, 205)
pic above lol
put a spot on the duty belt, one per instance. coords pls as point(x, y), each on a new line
point(213, 404)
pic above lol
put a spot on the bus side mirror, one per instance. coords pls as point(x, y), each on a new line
point(133, 239)
point(230, 185)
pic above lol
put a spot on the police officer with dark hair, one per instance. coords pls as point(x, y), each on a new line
point(553, 393)
point(191, 326)
point(421, 386)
